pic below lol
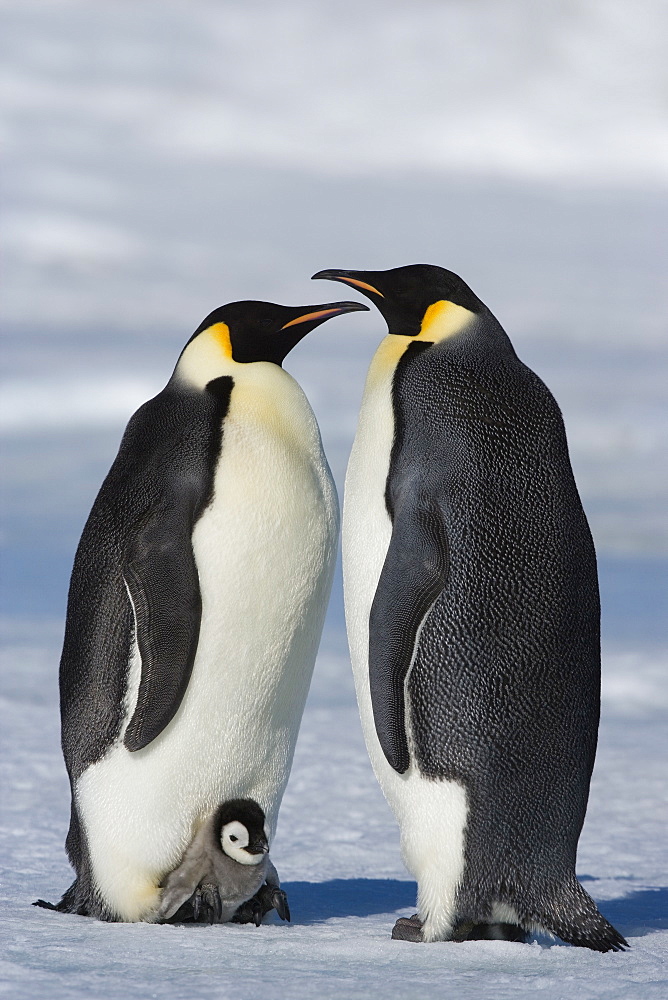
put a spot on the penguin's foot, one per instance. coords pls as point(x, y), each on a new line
point(495, 932)
point(408, 929)
point(204, 907)
point(462, 930)
point(267, 898)
point(250, 912)
point(280, 901)
point(207, 906)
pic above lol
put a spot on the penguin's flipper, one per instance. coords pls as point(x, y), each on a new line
point(163, 585)
point(413, 575)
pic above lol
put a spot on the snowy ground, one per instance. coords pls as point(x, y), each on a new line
point(160, 164)
point(337, 853)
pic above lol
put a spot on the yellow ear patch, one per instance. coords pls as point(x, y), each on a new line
point(443, 319)
point(220, 333)
point(207, 356)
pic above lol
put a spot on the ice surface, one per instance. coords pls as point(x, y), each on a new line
point(337, 853)
point(161, 159)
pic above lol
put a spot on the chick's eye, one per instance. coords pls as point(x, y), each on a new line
point(232, 837)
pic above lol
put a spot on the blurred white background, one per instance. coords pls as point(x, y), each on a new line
point(163, 158)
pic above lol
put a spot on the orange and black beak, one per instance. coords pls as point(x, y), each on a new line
point(315, 315)
point(381, 288)
point(300, 320)
point(365, 281)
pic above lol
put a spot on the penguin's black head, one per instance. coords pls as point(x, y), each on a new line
point(263, 331)
point(415, 298)
point(239, 825)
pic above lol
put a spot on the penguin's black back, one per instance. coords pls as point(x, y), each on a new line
point(504, 687)
point(163, 474)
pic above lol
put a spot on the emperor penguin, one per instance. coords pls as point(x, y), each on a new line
point(195, 608)
point(227, 864)
point(472, 610)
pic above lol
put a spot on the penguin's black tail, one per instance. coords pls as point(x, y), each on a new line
point(72, 902)
point(61, 907)
point(572, 915)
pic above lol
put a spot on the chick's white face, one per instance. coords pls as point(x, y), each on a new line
point(234, 840)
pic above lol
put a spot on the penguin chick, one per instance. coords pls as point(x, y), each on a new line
point(227, 864)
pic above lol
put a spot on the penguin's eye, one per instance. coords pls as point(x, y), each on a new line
point(233, 838)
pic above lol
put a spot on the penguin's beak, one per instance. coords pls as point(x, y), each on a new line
point(314, 315)
point(356, 279)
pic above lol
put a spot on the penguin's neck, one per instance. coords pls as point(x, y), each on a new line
point(206, 357)
point(384, 362)
point(265, 398)
point(441, 321)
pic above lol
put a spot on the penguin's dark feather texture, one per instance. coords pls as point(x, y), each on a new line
point(161, 576)
point(504, 685)
point(414, 574)
point(140, 525)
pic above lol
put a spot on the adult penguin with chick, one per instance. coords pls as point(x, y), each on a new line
point(472, 608)
point(195, 608)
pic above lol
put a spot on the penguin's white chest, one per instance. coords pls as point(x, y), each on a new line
point(431, 814)
point(264, 550)
point(367, 530)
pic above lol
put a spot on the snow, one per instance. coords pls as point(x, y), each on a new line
point(162, 159)
point(337, 852)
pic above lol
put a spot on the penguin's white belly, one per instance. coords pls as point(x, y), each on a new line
point(264, 551)
point(431, 813)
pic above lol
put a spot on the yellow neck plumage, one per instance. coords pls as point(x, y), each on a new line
point(441, 320)
point(208, 356)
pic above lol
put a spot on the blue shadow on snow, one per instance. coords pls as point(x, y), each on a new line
point(634, 915)
point(311, 902)
point(637, 914)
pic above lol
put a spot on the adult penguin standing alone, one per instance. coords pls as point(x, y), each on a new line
point(473, 616)
point(195, 609)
